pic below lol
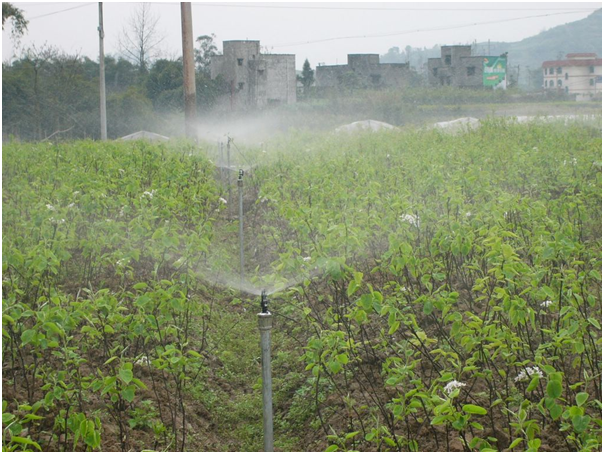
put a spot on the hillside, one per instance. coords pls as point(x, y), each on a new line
point(580, 36)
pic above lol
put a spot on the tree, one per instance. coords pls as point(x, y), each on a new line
point(15, 15)
point(164, 85)
point(393, 55)
point(46, 91)
point(202, 56)
point(307, 76)
point(140, 41)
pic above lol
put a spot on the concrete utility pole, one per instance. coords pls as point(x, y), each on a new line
point(188, 59)
point(103, 96)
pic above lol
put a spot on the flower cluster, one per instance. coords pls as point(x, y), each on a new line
point(412, 219)
point(452, 386)
point(143, 361)
point(528, 372)
point(546, 304)
point(148, 194)
point(223, 201)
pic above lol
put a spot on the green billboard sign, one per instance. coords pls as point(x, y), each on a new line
point(494, 71)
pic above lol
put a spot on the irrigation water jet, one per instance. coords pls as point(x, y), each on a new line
point(232, 281)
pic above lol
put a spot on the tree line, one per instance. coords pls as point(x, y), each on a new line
point(47, 90)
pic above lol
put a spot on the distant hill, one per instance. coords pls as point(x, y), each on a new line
point(583, 35)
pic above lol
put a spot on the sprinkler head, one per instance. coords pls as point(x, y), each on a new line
point(264, 302)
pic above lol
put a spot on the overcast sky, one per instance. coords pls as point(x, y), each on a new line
point(320, 32)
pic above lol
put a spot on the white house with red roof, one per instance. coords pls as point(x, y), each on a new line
point(579, 74)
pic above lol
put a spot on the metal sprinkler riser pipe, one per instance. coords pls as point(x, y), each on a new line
point(265, 327)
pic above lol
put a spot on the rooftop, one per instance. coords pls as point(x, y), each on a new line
point(573, 62)
point(581, 55)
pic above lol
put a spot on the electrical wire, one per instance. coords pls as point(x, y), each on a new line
point(350, 8)
point(398, 33)
point(60, 11)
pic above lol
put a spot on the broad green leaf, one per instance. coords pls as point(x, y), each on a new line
point(515, 443)
point(126, 375)
point(555, 411)
point(580, 423)
point(581, 398)
point(22, 440)
point(594, 322)
point(554, 389)
point(474, 409)
point(27, 336)
point(128, 394)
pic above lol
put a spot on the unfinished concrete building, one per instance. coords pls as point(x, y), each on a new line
point(456, 67)
point(363, 71)
point(255, 79)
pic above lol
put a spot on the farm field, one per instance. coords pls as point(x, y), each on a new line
point(430, 292)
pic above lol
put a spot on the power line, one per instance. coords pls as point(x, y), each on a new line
point(60, 11)
point(350, 8)
point(419, 30)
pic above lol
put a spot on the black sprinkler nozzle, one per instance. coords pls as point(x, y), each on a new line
point(264, 302)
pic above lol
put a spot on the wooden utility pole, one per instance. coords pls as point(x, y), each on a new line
point(188, 60)
point(103, 97)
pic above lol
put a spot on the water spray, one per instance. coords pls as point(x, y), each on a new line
point(265, 327)
point(228, 164)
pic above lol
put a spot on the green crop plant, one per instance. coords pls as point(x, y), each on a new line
point(445, 293)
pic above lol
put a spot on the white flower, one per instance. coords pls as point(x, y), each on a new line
point(223, 201)
point(70, 206)
point(55, 221)
point(547, 303)
point(121, 211)
point(469, 214)
point(452, 386)
point(120, 262)
point(528, 372)
point(50, 207)
point(144, 361)
point(412, 219)
point(148, 194)
point(307, 259)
